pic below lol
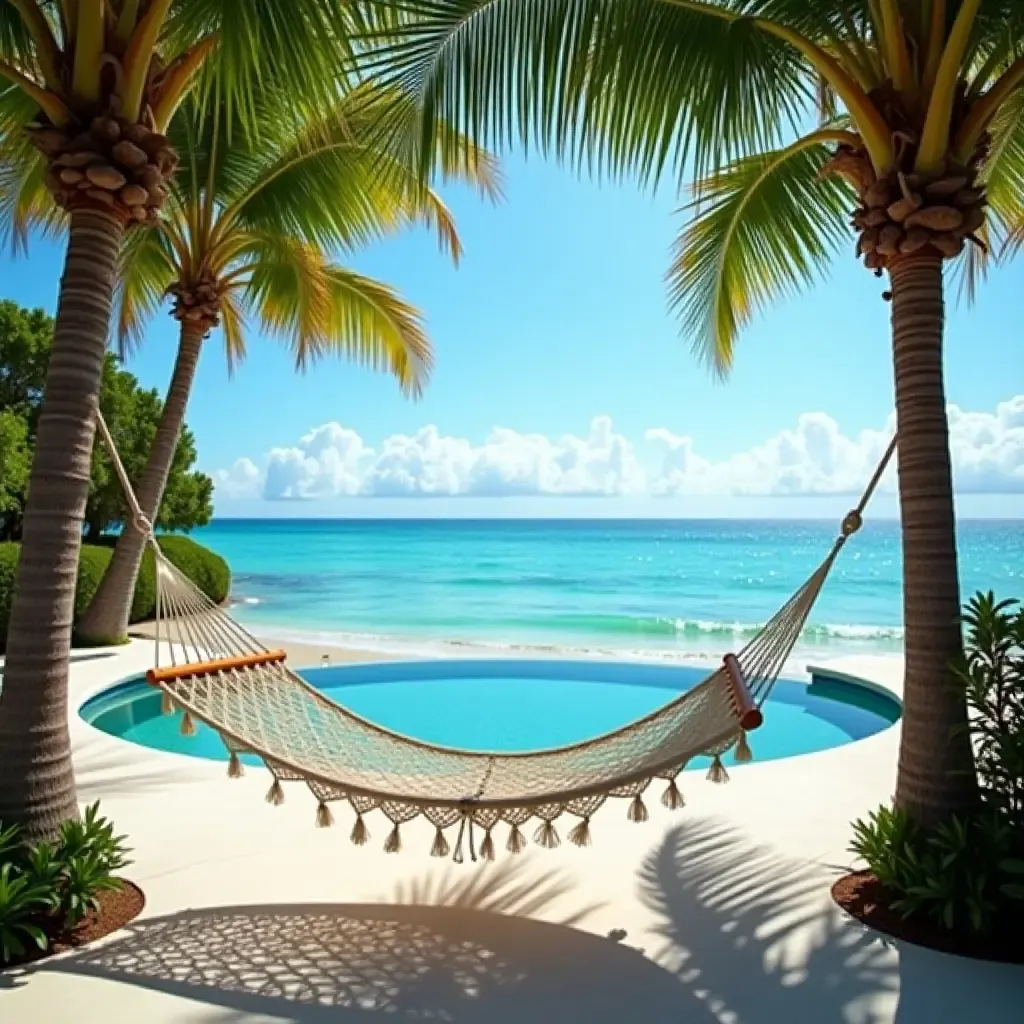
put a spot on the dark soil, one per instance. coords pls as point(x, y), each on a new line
point(117, 908)
point(862, 896)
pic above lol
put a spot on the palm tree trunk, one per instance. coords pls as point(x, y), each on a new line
point(936, 775)
point(37, 783)
point(108, 613)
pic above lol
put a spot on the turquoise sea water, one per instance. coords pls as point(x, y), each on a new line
point(516, 705)
point(656, 588)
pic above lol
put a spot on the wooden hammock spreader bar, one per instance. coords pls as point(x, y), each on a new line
point(747, 711)
point(156, 676)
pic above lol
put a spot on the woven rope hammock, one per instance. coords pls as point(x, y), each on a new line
point(216, 672)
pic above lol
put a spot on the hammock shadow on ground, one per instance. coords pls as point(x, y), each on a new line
point(363, 963)
point(462, 947)
point(739, 934)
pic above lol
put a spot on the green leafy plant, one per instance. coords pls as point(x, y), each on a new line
point(92, 837)
point(10, 842)
point(967, 871)
point(43, 866)
point(83, 879)
point(50, 887)
point(991, 676)
point(955, 872)
point(21, 903)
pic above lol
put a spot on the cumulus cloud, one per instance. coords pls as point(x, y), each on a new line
point(328, 462)
point(814, 457)
point(507, 463)
point(988, 450)
point(241, 480)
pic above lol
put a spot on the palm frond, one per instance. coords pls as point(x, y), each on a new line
point(322, 309)
point(146, 268)
point(763, 226)
point(302, 47)
point(232, 322)
point(372, 325)
point(621, 86)
point(25, 204)
point(1003, 177)
point(288, 290)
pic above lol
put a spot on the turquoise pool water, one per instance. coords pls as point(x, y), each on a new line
point(519, 705)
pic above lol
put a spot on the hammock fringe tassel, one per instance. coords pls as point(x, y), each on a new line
point(516, 841)
point(547, 836)
point(275, 795)
point(360, 833)
point(188, 727)
point(324, 818)
point(743, 753)
point(717, 772)
point(166, 703)
point(393, 843)
point(487, 846)
point(637, 809)
point(440, 847)
point(580, 834)
point(672, 798)
point(235, 769)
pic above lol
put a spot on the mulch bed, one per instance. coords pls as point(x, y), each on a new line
point(117, 908)
point(862, 896)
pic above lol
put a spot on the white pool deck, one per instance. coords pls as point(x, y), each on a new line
point(719, 912)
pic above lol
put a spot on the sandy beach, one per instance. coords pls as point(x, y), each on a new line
point(300, 655)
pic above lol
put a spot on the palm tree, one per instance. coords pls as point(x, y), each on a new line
point(245, 236)
point(919, 140)
point(93, 84)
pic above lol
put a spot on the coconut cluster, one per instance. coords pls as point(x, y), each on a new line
point(116, 163)
point(903, 213)
point(198, 301)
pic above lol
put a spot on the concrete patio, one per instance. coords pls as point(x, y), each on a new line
point(719, 912)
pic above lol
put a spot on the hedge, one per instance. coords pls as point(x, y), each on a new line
point(206, 569)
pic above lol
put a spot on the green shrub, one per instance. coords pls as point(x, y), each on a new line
point(960, 873)
point(48, 888)
point(991, 676)
point(92, 564)
point(967, 873)
point(21, 903)
point(206, 569)
point(8, 568)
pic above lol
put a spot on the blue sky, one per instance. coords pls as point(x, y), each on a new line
point(557, 316)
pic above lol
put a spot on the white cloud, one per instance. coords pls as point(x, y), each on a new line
point(328, 462)
point(507, 463)
point(988, 450)
point(242, 480)
point(814, 457)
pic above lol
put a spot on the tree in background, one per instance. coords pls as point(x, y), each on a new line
point(247, 237)
point(133, 415)
point(15, 460)
point(93, 85)
point(131, 412)
point(920, 141)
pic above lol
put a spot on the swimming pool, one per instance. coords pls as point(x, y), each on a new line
point(516, 705)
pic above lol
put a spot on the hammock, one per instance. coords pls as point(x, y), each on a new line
point(216, 672)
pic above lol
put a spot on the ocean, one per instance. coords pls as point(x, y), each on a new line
point(666, 590)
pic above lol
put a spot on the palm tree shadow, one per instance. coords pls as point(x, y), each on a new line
point(471, 959)
point(756, 938)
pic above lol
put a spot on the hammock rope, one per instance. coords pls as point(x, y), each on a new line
point(214, 671)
